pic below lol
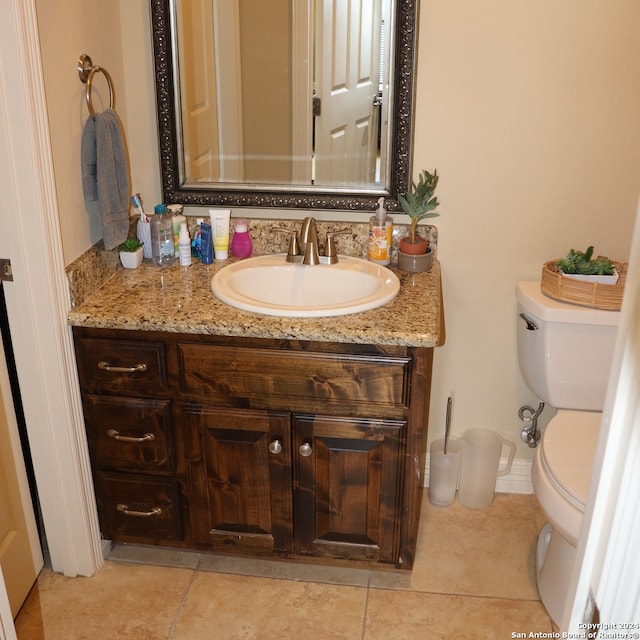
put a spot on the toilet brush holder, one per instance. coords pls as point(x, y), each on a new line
point(443, 472)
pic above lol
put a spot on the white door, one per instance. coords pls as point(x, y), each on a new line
point(347, 76)
point(20, 555)
point(38, 301)
point(198, 90)
point(607, 572)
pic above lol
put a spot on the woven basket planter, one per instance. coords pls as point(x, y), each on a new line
point(589, 294)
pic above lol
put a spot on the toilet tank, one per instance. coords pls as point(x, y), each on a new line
point(564, 350)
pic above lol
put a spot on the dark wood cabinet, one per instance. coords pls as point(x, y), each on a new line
point(257, 446)
point(238, 477)
point(347, 487)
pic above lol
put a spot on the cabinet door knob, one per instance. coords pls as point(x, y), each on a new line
point(305, 449)
point(275, 446)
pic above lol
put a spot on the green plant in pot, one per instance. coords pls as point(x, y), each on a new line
point(577, 262)
point(419, 203)
point(131, 253)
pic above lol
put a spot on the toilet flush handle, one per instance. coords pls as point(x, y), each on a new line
point(531, 326)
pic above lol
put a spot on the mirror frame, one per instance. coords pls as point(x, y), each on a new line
point(288, 196)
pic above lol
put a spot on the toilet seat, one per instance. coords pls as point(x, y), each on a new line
point(567, 451)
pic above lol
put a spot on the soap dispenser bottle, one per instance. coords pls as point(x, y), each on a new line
point(380, 233)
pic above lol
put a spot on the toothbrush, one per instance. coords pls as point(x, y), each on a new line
point(136, 201)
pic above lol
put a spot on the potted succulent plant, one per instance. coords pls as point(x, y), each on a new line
point(131, 253)
point(418, 203)
point(582, 266)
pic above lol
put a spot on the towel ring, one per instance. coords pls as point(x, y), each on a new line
point(86, 71)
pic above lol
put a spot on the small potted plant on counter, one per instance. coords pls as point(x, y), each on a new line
point(131, 253)
point(419, 203)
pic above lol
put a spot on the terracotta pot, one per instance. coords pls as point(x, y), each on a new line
point(415, 263)
point(416, 248)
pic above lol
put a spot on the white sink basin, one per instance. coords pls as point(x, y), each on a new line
point(270, 285)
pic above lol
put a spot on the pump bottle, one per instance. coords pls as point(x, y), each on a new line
point(380, 233)
point(184, 244)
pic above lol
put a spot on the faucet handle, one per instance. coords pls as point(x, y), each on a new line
point(331, 251)
point(294, 252)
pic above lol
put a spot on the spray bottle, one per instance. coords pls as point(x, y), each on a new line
point(380, 230)
point(184, 244)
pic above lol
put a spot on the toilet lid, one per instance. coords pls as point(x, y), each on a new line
point(567, 450)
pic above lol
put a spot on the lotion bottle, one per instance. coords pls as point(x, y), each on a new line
point(177, 218)
point(241, 246)
point(380, 233)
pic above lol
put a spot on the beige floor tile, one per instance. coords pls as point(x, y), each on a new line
point(395, 615)
point(488, 552)
point(473, 578)
point(227, 607)
point(120, 601)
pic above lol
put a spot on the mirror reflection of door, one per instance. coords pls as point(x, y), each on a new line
point(248, 74)
point(348, 87)
point(199, 109)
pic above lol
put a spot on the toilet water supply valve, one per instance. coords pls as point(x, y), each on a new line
point(530, 433)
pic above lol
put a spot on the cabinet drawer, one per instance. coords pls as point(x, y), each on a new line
point(275, 378)
point(130, 434)
point(138, 508)
point(124, 366)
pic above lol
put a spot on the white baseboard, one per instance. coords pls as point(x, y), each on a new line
point(517, 481)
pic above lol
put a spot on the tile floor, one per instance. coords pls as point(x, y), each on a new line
point(473, 578)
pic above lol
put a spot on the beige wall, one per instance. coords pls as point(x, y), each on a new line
point(116, 36)
point(529, 111)
point(265, 32)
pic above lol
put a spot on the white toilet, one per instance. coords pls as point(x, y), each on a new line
point(565, 354)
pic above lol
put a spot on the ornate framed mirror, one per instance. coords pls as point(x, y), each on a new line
point(286, 104)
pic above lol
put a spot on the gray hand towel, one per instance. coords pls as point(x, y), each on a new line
point(105, 176)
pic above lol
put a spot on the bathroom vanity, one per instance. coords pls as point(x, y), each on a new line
point(216, 429)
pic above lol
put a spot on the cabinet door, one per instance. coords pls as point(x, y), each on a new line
point(347, 476)
point(239, 478)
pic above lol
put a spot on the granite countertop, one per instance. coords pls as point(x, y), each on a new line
point(179, 300)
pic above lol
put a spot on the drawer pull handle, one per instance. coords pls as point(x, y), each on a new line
point(275, 446)
point(305, 449)
point(141, 514)
point(105, 366)
point(112, 433)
